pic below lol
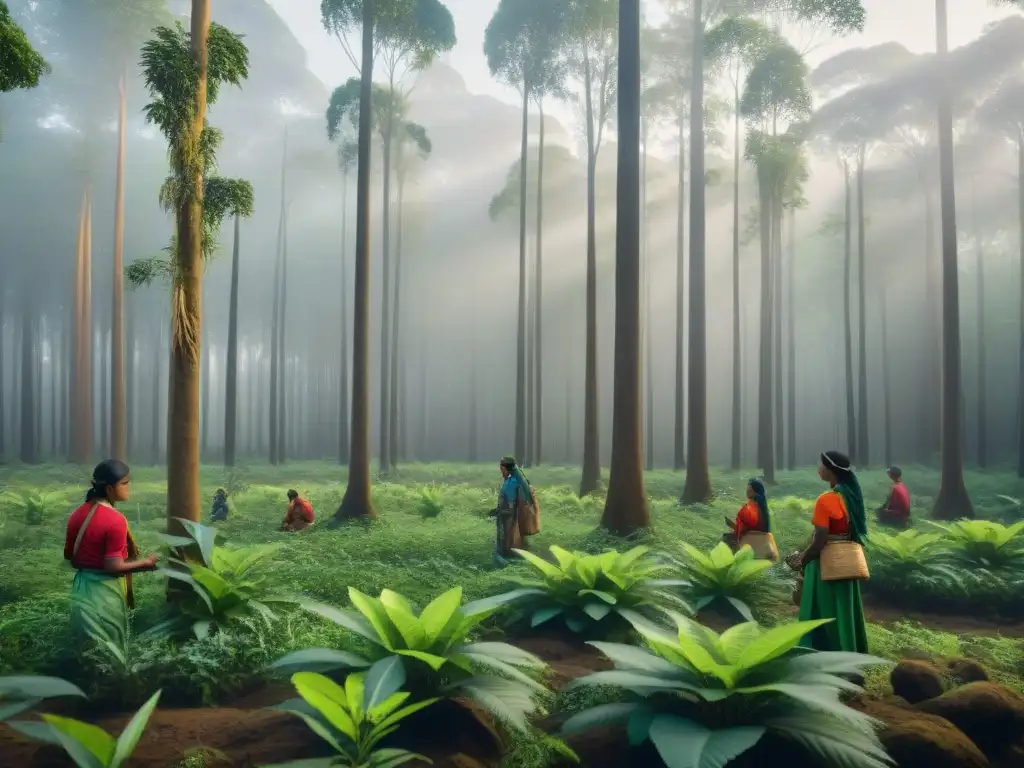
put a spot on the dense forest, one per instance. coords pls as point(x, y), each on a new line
point(402, 270)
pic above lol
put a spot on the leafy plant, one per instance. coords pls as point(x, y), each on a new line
point(19, 693)
point(88, 745)
point(911, 556)
point(588, 592)
point(353, 719)
point(431, 651)
point(224, 583)
point(736, 578)
point(703, 699)
point(430, 502)
point(985, 544)
point(35, 506)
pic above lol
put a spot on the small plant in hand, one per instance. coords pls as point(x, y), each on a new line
point(737, 579)
point(224, 586)
point(353, 719)
point(704, 699)
point(588, 592)
point(88, 745)
point(429, 652)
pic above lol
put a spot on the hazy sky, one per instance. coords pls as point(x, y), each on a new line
point(910, 22)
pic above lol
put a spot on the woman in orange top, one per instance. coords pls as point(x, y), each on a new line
point(838, 514)
point(753, 516)
point(300, 513)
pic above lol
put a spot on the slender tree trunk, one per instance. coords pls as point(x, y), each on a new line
point(285, 403)
point(384, 433)
point(737, 370)
point(3, 380)
point(204, 397)
point(791, 344)
point(765, 443)
point(626, 508)
point(29, 444)
point(1020, 306)
point(538, 304)
point(82, 391)
point(520, 429)
point(356, 502)
point(231, 374)
point(131, 318)
point(778, 309)
point(591, 477)
point(275, 321)
point(343, 436)
point(104, 394)
point(953, 500)
point(396, 326)
point(886, 391)
point(527, 458)
point(851, 413)
point(932, 400)
point(982, 357)
point(118, 404)
point(645, 272)
point(158, 377)
point(698, 478)
point(863, 448)
point(679, 427)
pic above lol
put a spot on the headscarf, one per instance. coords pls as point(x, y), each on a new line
point(106, 475)
point(522, 484)
point(761, 499)
point(848, 486)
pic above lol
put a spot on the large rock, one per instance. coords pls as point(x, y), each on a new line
point(992, 715)
point(964, 671)
point(919, 740)
point(916, 681)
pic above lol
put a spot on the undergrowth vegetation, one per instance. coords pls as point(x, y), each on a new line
point(428, 558)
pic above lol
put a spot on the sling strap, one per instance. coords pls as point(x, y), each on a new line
point(81, 531)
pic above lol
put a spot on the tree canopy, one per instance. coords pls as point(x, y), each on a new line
point(21, 66)
point(523, 38)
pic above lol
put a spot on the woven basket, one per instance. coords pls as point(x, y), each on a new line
point(844, 561)
point(762, 543)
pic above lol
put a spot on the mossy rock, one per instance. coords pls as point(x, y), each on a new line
point(965, 671)
point(916, 681)
point(919, 740)
point(991, 715)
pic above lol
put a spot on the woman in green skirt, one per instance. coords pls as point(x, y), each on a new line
point(838, 513)
point(102, 551)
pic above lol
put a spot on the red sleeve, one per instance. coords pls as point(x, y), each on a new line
point(746, 520)
point(307, 511)
point(115, 537)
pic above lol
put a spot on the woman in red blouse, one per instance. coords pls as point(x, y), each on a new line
point(102, 551)
point(753, 516)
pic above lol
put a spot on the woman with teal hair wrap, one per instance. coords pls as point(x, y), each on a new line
point(838, 514)
point(515, 490)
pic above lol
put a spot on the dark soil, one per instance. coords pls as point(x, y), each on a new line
point(958, 625)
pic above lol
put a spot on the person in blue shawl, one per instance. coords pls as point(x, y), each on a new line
point(515, 490)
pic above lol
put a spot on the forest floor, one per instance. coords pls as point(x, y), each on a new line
point(215, 691)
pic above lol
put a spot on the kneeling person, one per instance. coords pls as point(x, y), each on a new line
point(300, 513)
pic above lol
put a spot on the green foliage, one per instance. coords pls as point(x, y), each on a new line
point(737, 41)
point(354, 719)
point(430, 502)
point(225, 585)
point(21, 66)
point(841, 16)
point(88, 745)
point(703, 699)
point(776, 90)
point(984, 544)
point(430, 650)
point(22, 692)
point(34, 507)
point(738, 579)
point(588, 593)
point(523, 39)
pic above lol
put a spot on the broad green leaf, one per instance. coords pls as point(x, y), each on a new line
point(36, 687)
point(349, 620)
point(11, 709)
point(319, 660)
point(508, 653)
point(777, 641)
point(601, 715)
point(542, 615)
point(504, 669)
point(587, 568)
point(636, 659)
point(605, 596)
point(721, 556)
point(88, 745)
point(316, 725)
point(386, 707)
point(684, 743)
point(395, 600)
point(542, 565)
point(620, 678)
point(404, 712)
point(597, 611)
point(35, 730)
point(354, 695)
point(327, 698)
point(738, 637)
point(392, 758)
point(564, 557)
point(509, 702)
point(430, 659)
point(638, 726)
point(132, 732)
point(408, 626)
point(628, 558)
point(741, 608)
point(188, 579)
point(439, 611)
point(204, 537)
point(373, 611)
point(497, 601)
point(383, 679)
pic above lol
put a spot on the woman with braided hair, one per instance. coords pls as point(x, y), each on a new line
point(515, 495)
point(838, 516)
point(103, 553)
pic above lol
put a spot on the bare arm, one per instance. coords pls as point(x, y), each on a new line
point(818, 541)
point(118, 566)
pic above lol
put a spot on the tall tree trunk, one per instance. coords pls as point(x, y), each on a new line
point(393, 423)
point(231, 374)
point(863, 448)
point(698, 478)
point(645, 272)
point(29, 433)
point(82, 391)
point(778, 308)
point(886, 385)
point(384, 433)
point(679, 427)
point(765, 442)
point(206, 356)
point(154, 425)
point(520, 429)
point(118, 400)
point(275, 320)
point(3, 380)
point(1020, 305)
point(626, 508)
point(851, 413)
point(284, 401)
point(953, 500)
point(104, 398)
point(131, 318)
point(591, 476)
point(187, 318)
point(932, 400)
point(527, 458)
point(982, 357)
point(343, 436)
point(792, 304)
point(356, 502)
point(538, 304)
point(736, 458)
